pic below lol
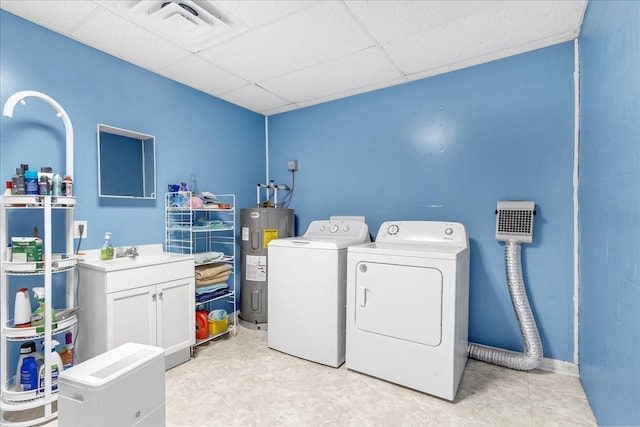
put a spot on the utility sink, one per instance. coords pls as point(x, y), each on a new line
point(148, 255)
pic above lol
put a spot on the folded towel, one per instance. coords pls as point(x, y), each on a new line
point(203, 257)
point(217, 279)
point(210, 271)
point(211, 288)
point(210, 295)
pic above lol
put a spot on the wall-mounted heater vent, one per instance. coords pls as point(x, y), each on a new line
point(514, 221)
point(191, 24)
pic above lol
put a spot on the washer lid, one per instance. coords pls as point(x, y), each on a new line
point(303, 242)
point(420, 250)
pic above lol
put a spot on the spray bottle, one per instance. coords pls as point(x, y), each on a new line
point(106, 252)
point(37, 317)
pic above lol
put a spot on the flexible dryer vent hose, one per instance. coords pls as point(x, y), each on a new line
point(531, 357)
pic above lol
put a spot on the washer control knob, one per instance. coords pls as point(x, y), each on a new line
point(334, 228)
point(322, 228)
point(448, 231)
point(393, 229)
point(345, 228)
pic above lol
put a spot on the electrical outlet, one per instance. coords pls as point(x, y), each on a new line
point(292, 165)
point(76, 229)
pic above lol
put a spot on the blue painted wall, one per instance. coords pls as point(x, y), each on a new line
point(222, 143)
point(610, 211)
point(448, 148)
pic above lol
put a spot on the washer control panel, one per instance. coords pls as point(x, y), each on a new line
point(337, 229)
point(422, 231)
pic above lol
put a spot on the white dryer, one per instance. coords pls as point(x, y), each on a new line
point(306, 299)
point(407, 305)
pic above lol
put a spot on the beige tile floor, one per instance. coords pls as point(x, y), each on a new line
point(239, 381)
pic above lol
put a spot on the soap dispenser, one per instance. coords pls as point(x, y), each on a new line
point(106, 252)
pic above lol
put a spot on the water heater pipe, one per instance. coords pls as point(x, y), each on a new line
point(532, 354)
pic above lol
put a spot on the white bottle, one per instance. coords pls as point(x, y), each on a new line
point(56, 368)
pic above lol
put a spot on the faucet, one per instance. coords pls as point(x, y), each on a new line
point(131, 252)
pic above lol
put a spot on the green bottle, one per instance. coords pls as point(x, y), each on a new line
point(106, 252)
point(37, 317)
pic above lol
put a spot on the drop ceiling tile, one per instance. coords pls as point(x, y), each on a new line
point(391, 20)
point(480, 36)
point(278, 110)
point(60, 16)
point(118, 37)
point(254, 98)
point(260, 12)
point(202, 75)
point(314, 35)
point(352, 92)
point(360, 69)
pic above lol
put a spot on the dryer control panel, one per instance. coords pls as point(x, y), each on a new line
point(423, 232)
point(347, 229)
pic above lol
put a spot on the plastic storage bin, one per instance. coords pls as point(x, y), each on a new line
point(122, 387)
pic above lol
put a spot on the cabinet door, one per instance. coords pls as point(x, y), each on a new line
point(131, 317)
point(176, 318)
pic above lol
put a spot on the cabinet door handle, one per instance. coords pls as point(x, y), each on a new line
point(153, 297)
point(160, 294)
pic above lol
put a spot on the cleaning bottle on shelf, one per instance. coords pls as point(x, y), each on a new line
point(27, 349)
point(66, 354)
point(106, 252)
point(56, 368)
point(37, 317)
point(28, 379)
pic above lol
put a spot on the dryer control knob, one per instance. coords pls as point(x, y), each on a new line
point(345, 228)
point(322, 228)
point(393, 229)
point(334, 228)
point(448, 231)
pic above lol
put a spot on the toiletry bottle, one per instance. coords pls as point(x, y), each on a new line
point(66, 354)
point(37, 317)
point(56, 368)
point(31, 182)
point(67, 185)
point(56, 186)
point(21, 184)
point(28, 379)
point(106, 252)
point(43, 186)
point(193, 184)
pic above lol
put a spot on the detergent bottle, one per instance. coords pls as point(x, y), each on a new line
point(30, 381)
point(106, 253)
point(37, 317)
point(56, 368)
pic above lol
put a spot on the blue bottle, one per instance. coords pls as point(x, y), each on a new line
point(29, 374)
point(31, 182)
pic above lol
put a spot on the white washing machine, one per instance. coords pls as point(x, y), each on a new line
point(407, 306)
point(306, 299)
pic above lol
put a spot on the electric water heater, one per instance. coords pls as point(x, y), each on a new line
point(259, 226)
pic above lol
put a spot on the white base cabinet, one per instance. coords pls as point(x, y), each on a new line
point(149, 304)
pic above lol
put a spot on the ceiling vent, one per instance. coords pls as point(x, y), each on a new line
point(191, 24)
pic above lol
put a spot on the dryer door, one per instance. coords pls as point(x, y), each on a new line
point(399, 301)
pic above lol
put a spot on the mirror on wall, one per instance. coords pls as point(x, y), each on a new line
point(126, 163)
